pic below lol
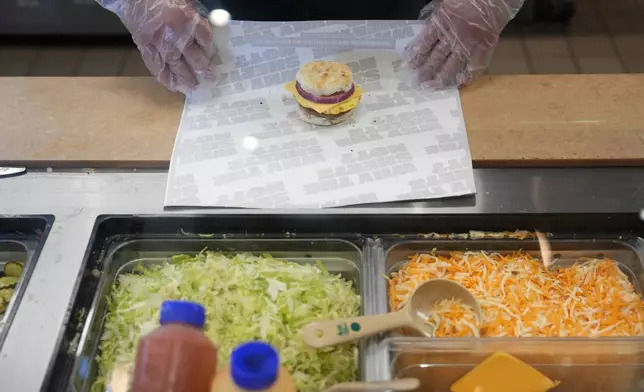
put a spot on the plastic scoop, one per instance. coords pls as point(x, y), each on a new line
point(331, 332)
point(403, 384)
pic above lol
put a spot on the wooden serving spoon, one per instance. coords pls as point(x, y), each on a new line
point(403, 384)
point(326, 333)
point(119, 382)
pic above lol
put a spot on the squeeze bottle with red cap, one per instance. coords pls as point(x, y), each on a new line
point(254, 366)
point(177, 356)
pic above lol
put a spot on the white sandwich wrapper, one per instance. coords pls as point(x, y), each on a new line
point(241, 144)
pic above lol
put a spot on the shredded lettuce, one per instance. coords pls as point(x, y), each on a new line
point(246, 298)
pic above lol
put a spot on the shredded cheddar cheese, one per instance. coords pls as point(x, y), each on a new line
point(520, 297)
point(452, 318)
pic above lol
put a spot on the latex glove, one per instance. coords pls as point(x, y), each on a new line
point(458, 40)
point(174, 39)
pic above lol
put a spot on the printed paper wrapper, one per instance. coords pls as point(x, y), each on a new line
point(241, 144)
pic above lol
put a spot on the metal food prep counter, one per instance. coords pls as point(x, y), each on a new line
point(79, 215)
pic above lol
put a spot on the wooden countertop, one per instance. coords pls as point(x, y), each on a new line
point(511, 120)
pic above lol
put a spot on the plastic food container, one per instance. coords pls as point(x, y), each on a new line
point(337, 256)
point(21, 239)
point(580, 364)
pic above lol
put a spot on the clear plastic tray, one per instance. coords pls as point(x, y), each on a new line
point(628, 253)
point(579, 364)
point(338, 257)
point(24, 249)
point(12, 251)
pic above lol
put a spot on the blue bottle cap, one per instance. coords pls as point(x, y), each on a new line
point(254, 366)
point(182, 312)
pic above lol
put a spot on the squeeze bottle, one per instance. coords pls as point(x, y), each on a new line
point(177, 356)
point(254, 366)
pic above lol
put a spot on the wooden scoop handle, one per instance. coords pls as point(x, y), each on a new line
point(403, 384)
point(326, 333)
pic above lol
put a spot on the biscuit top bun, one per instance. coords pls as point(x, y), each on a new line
point(325, 77)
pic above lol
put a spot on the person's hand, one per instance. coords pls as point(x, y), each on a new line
point(458, 40)
point(174, 39)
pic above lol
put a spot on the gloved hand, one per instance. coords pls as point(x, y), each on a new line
point(174, 39)
point(458, 40)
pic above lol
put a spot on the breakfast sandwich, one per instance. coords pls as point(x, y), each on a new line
point(325, 92)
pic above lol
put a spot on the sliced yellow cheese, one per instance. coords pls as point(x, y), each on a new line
point(501, 372)
point(327, 108)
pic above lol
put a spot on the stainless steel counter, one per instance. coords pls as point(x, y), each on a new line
point(77, 198)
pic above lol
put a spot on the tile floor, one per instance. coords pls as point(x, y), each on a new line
point(605, 36)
